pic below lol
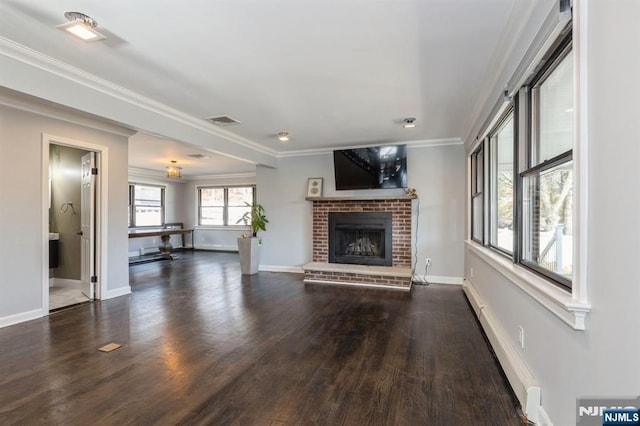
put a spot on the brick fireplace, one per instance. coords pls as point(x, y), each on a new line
point(324, 270)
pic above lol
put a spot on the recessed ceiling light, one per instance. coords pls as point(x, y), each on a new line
point(82, 26)
point(409, 123)
point(283, 136)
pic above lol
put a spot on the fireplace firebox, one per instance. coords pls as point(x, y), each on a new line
point(363, 238)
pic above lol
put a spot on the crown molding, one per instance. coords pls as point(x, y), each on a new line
point(33, 105)
point(51, 65)
point(246, 175)
point(425, 143)
point(157, 175)
point(494, 82)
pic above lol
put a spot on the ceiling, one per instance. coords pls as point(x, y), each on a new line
point(333, 73)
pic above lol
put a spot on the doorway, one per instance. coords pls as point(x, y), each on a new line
point(72, 222)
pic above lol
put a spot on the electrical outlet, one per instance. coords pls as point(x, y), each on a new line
point(521, 336)
point(428, 261)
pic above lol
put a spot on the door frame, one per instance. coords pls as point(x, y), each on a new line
point(101, 225)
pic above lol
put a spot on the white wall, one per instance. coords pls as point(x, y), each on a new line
point(436, 172)
point(21, 227)
point(175, 211)
point(207, 237)
point(603, 360)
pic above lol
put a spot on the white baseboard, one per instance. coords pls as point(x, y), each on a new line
point(278, 268)
point(434, 279)
point(520, 378)
point(543, 418)
point(66, 283)
point(216, 247)
point(121, 291)
point(22, 317)
point(147, 250)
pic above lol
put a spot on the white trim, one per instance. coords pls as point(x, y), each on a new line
point(557, 301)
point(27, 103)
point(66, 283)
point(138, 172)
point(19, 58)
point(551, 28)
point(22, 317)
point(102, 217)
point(361, 285)
point(245, 175)
point(236, 228)
point(581, 155)
point(493, 82)
point(543, 418)
point(121, 291)
point(154, 175)
point(410, 144)
point(216, 247)
point(279, 268)
point(54, 66)
point(520, 378)
point(436, 279)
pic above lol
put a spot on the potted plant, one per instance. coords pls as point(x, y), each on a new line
point(249, 246)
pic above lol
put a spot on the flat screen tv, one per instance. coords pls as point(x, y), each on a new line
point(375, 167)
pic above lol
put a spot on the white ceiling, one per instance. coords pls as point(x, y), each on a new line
point(331, 72)
point(152, 153)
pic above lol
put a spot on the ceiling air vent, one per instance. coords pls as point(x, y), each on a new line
point(223, 120)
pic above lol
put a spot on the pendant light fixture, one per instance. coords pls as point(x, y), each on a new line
point(173, 170)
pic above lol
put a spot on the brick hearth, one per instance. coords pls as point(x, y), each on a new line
point(397, 276)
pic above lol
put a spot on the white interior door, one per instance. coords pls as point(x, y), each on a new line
point(88, 223)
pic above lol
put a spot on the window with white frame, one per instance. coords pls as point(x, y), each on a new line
point(224, 206)
point(146, 205)
point(502, 179)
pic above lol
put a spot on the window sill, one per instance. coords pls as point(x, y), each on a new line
point(556, 300)
point(234, 228)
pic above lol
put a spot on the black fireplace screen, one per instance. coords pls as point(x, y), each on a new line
point(362, 238)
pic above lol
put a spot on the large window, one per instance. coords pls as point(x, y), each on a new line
point(529, 210)
point(146, 205)
point(502, 141)
point(547, 182)
point(477, 198)
point(224, 206)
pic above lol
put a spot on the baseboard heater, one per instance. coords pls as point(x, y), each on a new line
point(148, 250)
point(520, 378)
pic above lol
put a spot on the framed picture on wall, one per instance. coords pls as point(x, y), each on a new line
point(314, 187)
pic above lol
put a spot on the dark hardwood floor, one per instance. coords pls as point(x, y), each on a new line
point(204, 345)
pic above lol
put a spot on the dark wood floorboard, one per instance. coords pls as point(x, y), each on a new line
point(204, 345)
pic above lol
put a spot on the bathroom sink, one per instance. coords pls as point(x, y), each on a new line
point(54, 236)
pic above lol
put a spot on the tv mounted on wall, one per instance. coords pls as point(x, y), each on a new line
point(375, 167)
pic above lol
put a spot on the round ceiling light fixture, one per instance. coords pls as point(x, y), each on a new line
point(409, 123)
point(283, 136)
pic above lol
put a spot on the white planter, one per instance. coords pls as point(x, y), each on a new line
point(249, 249)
